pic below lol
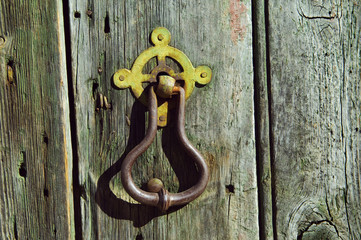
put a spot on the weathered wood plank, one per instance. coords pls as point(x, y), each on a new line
point(109, 35)
point(315, 76)
point(35, 146)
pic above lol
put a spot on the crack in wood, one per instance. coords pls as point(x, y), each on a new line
point(302, 14)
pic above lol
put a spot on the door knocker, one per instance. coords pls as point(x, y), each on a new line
point(172, 89)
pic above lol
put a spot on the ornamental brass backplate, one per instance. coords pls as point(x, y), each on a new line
point(134, 78)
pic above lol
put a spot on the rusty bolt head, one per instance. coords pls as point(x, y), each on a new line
point(121, 78)
point(162, 118)
point(204, 75)
point(155, 185)
point(89, 12)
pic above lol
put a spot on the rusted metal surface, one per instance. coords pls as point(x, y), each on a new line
point(159, 196)
point(134, 78)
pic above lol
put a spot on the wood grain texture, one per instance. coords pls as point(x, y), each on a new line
point(35, 146)
point(109, 35)
point(315, 119)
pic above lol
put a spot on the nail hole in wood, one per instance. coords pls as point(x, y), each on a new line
point(94, 89)
point(77, 14)
point(22, 168)
point(106, 24)
point(11, 71)
point(46, 192)
point(230, 188)
point(16, 230)
point(45, 138)
point(139, 237)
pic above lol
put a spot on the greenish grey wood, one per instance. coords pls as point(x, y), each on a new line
point(109, 35)
point(315, 118)
point(35, 146)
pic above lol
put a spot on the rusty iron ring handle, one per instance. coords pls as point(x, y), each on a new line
point(163, 199)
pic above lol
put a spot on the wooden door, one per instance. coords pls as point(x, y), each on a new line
point(279, 124)
point(109, 36)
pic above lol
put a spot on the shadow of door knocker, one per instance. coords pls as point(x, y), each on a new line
point(164, 84)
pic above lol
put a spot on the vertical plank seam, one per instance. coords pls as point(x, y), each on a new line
point(73, 125)
point(262, 109)
point(257, 57)
point(270, 115)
